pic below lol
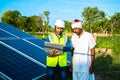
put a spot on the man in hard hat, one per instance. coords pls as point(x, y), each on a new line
point(83, 52)
point(57, 64)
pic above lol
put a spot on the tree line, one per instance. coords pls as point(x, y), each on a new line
point(94, 21)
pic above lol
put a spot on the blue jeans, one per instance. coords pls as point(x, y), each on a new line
point(60, 71)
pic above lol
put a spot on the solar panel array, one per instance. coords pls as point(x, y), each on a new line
point(22, 56)
point(17, 67)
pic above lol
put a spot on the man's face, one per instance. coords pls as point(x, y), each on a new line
point(77, 31)
point(59, 30)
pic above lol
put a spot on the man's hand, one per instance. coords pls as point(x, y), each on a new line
point(70, 68)
point(53, 52)
point(91, 69)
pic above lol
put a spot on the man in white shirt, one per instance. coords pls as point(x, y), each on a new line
point(83, 52)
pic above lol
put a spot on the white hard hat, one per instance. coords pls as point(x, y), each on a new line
point(60, 23)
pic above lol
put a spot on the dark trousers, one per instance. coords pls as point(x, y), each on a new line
point(61, 72)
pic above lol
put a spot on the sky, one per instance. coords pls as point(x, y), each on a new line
point(59, 9)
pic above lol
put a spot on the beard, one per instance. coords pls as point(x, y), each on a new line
point(77, 33)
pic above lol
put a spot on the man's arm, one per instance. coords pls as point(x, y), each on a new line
point(91, 69)
point(68, 46)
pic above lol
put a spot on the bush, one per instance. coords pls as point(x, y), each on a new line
point(108, 62)
point(103, 62)
point(116, 49)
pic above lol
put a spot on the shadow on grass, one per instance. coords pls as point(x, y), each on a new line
point(105, 68)
point(103, 63)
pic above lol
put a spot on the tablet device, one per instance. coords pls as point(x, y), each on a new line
point(49, 46)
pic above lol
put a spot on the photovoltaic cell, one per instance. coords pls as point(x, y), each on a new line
point(14, 65)
point(31, 50)
point(25, 43)
point(13, 30)
point(17, 67)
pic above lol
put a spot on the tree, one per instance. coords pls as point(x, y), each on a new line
point(22, 23)
point(11, 17)
point(46, 20)
point(115, 23)
point(68, 26)
point(34, 23)
point(102, 25)
point(39, 23)
point(94, 19)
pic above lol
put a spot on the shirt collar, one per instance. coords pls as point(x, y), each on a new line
point(57, 36)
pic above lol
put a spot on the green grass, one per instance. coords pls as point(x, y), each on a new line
point(104, 42)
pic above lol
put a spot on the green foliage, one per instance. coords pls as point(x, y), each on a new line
point(108, 62)
point(115, 23)
point(111, 42)
point(103, 62)
point(10, 17)
point(21, 23)
point(68, 26)
point(116, 49)
point(95, 20)
point(93, 17)
point(33, 23)
point(104, 42)
point(46, 21)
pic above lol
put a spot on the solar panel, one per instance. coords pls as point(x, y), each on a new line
point(14, 31)
point(18, 67)
point(28, 48)
point(31, 46)
point(22, 56)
